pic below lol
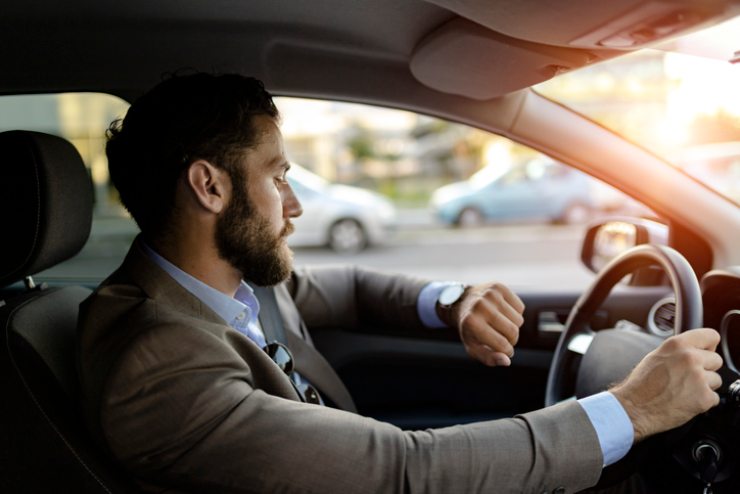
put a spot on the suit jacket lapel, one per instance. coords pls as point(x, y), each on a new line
point(309, 362)
point(159, 285)
point(314, 367)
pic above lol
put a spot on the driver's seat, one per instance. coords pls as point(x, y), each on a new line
point(46, 199)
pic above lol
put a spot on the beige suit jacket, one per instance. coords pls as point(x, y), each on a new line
point(185, 402)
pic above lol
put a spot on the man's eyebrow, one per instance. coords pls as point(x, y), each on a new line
point(278, 162)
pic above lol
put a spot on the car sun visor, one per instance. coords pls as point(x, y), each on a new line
point(617, 24)
point(466, 59)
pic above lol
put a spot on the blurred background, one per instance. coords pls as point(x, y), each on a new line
point(410, 193)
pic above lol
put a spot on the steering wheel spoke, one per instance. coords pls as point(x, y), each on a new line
point(627, 325)
point(581, 342)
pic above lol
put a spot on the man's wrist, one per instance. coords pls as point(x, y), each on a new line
point(611, 423)
point(449, 302)
point(427, 304)
point(632, 411)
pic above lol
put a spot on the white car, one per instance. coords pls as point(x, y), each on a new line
point(345, 218)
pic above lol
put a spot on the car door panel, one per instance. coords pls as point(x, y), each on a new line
point(417, 383)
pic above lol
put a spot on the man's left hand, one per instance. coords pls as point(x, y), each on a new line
point(488, 318)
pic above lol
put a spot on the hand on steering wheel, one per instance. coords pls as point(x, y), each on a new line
point(585, 361)
point(673, 380)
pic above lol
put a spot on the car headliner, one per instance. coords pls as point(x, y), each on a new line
point(126, 47)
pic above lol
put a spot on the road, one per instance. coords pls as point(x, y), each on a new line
point(526, 257)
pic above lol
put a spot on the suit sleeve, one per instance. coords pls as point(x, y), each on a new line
point(194, 420)
point(351, 297)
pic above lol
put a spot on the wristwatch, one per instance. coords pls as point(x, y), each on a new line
point(450, 295)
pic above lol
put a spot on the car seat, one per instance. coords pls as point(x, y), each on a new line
point(46, 198)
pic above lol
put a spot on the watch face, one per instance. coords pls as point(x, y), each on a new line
point(451, 294)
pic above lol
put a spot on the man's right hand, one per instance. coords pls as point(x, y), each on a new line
point(672, 384)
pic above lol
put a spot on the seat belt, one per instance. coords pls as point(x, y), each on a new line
point(270, 318)
point(314, 366)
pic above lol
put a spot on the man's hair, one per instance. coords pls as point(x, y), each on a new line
point(181, 120)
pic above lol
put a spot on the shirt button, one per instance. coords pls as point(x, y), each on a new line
point(240, 317)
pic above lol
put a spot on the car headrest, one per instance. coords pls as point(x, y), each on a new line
point(46, 202)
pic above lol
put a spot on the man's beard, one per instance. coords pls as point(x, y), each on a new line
point(245, 240)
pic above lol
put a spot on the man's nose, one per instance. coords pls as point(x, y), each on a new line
point(291, 205)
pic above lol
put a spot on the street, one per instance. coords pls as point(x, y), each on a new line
point(525, 257)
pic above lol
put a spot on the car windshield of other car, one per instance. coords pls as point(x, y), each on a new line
point(306, 181)
point(680, 101)
point(486, 176)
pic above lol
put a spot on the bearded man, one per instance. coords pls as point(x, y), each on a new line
point(182, 387)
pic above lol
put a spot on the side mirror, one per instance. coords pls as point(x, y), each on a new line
point(607, 239)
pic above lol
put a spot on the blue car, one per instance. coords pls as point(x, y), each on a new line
point(540, 189)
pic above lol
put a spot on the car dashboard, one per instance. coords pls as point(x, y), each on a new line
point(707, 447)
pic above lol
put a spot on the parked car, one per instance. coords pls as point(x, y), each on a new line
point(540, 189)
point(463, 61)
point(345, 218)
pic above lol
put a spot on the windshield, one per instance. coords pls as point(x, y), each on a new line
point(487, 175)
point(307, 179)
point(683, 107)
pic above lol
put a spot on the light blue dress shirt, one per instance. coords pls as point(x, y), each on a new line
point(241, 312)
point(612, 424)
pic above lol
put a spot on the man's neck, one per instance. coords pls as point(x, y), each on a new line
point(200, 260)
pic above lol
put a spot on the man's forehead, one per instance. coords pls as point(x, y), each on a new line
point(267, 131)
point(267, 151)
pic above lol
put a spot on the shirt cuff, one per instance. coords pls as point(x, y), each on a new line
point(612, 424)
point(426, 304)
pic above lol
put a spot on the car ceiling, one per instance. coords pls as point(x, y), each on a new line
point(475, 49)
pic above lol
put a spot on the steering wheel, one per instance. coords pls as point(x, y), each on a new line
point(585, 361)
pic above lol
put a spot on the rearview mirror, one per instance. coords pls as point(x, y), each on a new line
point(607, 239)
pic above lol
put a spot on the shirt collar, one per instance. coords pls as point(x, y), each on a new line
point(228, 308)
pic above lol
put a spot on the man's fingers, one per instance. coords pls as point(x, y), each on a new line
point(704, 338)
point(489, 323)
point(488, 356)
point(712, 361)
point(714, 401)
point(511, 314)
point(482, 333)
point(501, 359)
point(498, 321)
point(714, 381)
point(511, 298)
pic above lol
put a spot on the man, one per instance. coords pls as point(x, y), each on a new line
point(177, 387)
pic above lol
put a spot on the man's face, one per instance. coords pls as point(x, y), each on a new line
point(251, 232)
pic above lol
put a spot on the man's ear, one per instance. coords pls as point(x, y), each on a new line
point(208, 184)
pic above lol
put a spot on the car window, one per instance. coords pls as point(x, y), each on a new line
point(439, 199)
point(383, 188)
point(81, 118)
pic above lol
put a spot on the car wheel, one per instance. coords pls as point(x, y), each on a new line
point(575, 213)
point(469, 217)
point(347, 236)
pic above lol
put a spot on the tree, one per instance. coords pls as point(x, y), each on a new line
point(361, 144)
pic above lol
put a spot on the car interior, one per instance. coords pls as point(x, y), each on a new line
point(466, 61)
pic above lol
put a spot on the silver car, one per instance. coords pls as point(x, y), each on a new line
point(345, 218)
